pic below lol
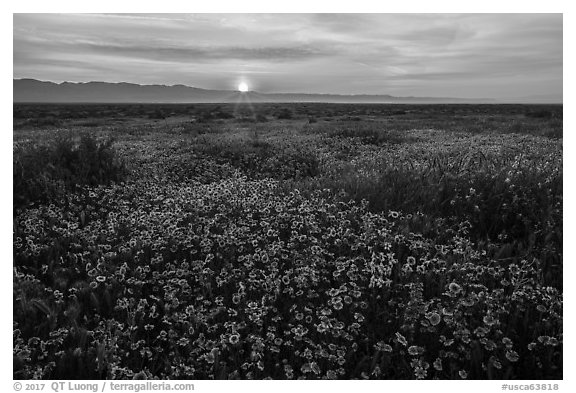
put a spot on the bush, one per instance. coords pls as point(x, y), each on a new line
point(369, 133)
point(258, 158)
point(540, 114)
point(504, 199)
point(157, 114)
point(41, 122)
point(44, 172)
point(284, 114)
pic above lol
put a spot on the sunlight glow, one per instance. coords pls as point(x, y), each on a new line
point(243, 87)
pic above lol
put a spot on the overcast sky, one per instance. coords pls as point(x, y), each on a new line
point(469, 55)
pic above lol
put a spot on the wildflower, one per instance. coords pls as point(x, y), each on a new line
point(233, 339)
point(315, 368)
point(437, 364)
point(454, 288)
point(333, 292)
point(420, 372)
point(490, 345)
point(100, 278)
point(413, 350)
point(481, 331)
point(512, 356)
point(382, 346)
point(306, 368)
point(544, 339)
point(210, 358)
point(401, 339)
point(446, 342)
point(489, 320)
point(434, 318)
point(140, 376)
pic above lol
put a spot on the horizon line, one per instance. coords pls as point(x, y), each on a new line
point(487, 100)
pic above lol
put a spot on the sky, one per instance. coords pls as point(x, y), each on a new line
point(434, 55)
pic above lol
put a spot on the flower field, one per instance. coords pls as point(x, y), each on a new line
point(288, 249)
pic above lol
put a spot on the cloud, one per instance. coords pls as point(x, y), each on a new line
point(172, 53)
point(432, 54)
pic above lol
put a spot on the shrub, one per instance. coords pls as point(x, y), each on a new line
point(157, 114)
point(540, 114)
point(258, 158)
point(44, 172)
point(40, 122)
point(205, 117)
point(369, 133)
point(284, 114)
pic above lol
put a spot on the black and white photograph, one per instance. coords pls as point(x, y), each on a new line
point(287, 196)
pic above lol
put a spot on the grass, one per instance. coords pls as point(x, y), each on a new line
point(380, 248)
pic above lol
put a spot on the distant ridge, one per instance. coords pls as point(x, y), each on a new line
point(32, 90)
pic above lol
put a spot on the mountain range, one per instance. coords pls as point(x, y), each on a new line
point(35, 91)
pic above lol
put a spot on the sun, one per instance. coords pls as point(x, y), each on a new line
point(243, 87)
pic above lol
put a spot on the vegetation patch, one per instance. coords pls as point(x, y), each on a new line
point(418, 245)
